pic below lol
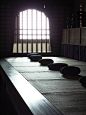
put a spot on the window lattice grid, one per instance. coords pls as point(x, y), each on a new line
point(33, 24)
point(32, 32)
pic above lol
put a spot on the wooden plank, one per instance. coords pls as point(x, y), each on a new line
point(83, 36)
point(26, 99)
point(74, 36)
point(65, 36)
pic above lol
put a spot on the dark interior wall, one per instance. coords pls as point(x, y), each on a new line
point(61, 10)
point(5, 29)
point(74, 39)
point(57, 10)
point(85, 6)
point(77, 3)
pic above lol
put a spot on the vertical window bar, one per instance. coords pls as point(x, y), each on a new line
point(32, 31)
point(17, 31)
point(22, 34)
point(5, 30)
point(46, 32)
point(41, 32)
point(36, 33)
point(27, 31)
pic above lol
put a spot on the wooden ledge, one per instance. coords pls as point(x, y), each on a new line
point(26, 99)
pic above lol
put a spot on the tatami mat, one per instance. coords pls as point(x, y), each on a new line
point(70, 103)
point(65, 92)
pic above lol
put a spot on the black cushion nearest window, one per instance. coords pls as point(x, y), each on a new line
point(28, 55)
point(35, 57)
point(70, 70)
point(56, 66)
point(45, 62)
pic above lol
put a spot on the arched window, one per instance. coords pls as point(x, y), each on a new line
point(32, 32)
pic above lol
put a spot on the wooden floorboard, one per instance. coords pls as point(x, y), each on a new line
point(65, 93)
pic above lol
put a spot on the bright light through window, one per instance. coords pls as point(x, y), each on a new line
point(33, 25)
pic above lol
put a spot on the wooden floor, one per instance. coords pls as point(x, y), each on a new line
point(65, 93)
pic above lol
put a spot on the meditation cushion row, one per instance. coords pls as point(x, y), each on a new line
point(35, 57)
point(45, 62)
point(83, 80)
point(70, 70)
point(56, 66)
point(28, 55)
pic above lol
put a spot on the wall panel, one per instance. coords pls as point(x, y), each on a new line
point(83, 36)
point(5, 29)
point(76, 43)
point(74, 36)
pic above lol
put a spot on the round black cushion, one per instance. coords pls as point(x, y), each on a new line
point(45, 62)
point(28, 55)
point(56, 66)
point(35, 57)
point(83, 80)
point(70, 70)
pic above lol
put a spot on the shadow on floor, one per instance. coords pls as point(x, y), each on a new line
point(72, 77)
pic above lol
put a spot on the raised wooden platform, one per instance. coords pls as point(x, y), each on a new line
point(25, 98)
point(64, 92)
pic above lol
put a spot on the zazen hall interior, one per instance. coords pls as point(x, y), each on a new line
point(42, 57)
